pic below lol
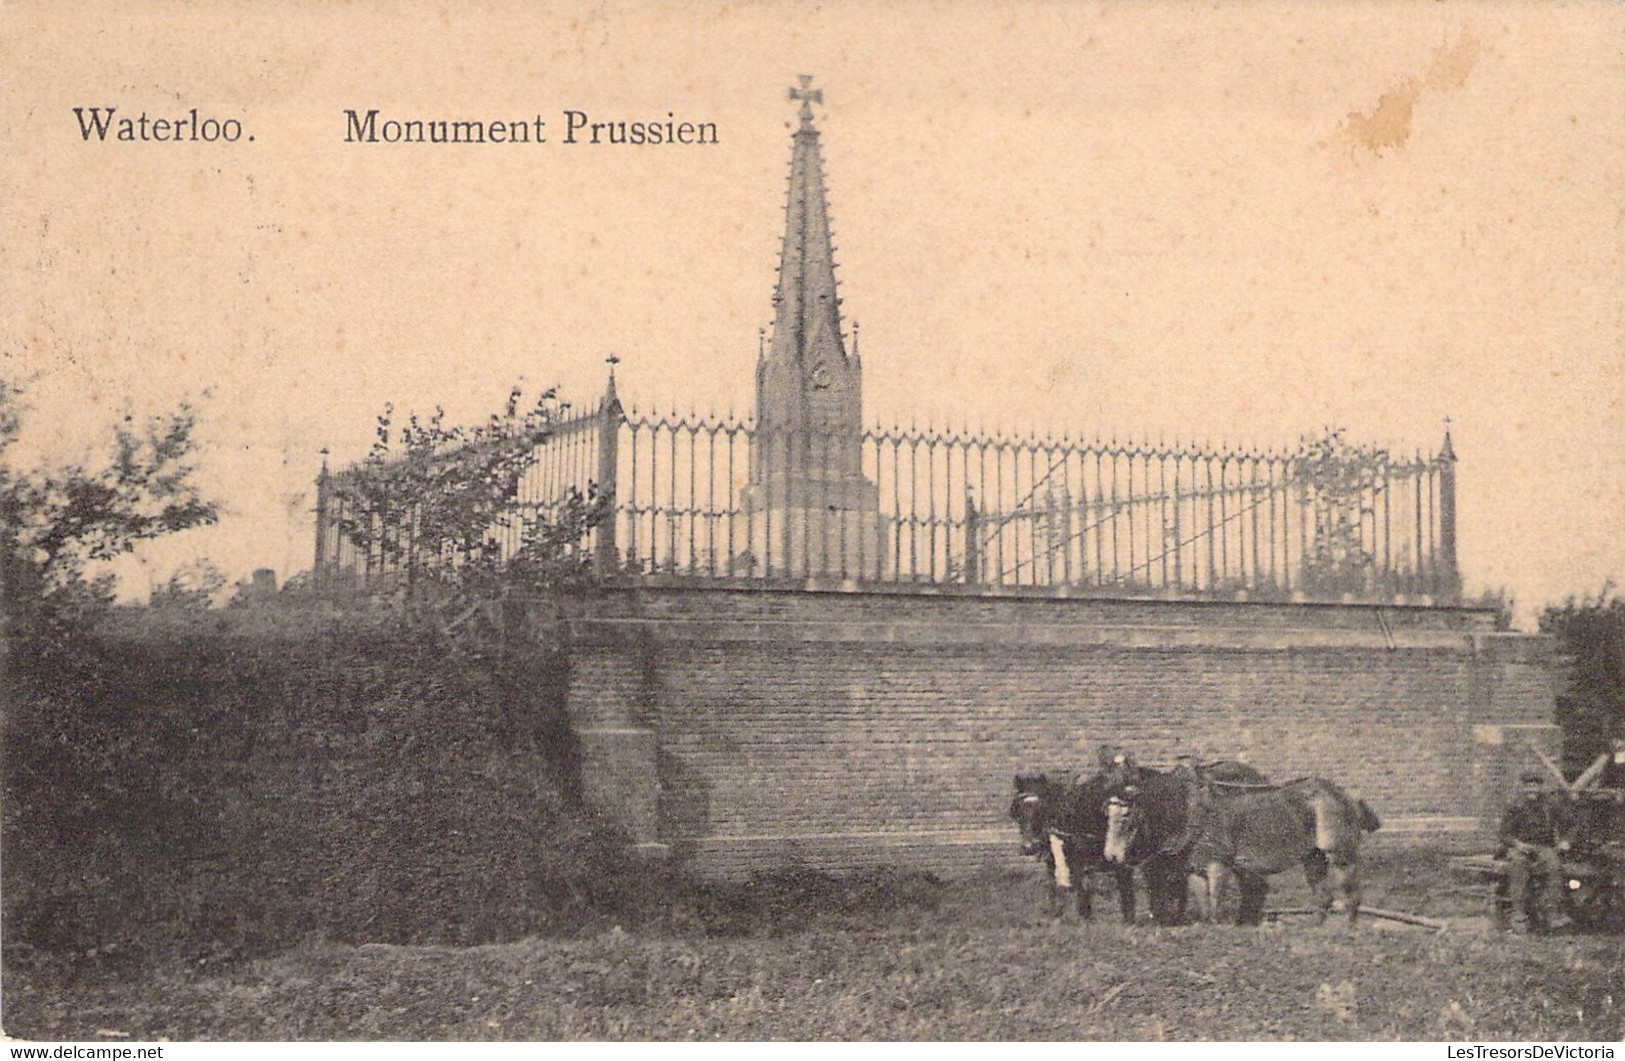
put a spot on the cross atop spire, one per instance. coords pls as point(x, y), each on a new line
point(611, 399)
point(808, 96)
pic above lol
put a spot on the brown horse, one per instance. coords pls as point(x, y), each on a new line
point(1251, 832)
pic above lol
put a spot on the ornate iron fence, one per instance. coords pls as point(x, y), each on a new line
point(719, 498)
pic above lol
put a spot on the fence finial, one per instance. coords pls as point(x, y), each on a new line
point(1447, 451)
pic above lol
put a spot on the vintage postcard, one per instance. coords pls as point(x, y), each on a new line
point(852, 521)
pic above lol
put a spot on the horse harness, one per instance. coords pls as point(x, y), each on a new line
point(1033, 797)
point(1178, 845)
point(1253, 786)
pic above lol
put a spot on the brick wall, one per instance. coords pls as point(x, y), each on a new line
point(841, 729)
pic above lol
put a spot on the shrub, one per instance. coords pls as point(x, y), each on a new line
point(213, 784)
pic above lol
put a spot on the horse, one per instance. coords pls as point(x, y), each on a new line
point(1250, 832)
point(1066, 826)
point(1161, 838)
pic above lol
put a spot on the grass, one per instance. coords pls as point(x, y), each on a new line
point(883, 957)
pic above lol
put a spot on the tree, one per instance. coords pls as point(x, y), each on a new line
point(1501, 600)
point(191, 588)
point(57, 523)
point(1341, 481)
point(431, 501)
point(1591, 711)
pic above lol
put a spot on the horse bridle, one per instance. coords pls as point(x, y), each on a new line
point(1030, 797)
point(1023, 799)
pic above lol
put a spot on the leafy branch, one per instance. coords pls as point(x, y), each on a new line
point(435, 502)
point(56, 522)
point(1341, 482)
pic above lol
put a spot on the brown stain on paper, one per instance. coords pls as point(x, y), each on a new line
point(1388, 125)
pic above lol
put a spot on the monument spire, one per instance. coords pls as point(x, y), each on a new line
point(808, 380)
point(813, 511)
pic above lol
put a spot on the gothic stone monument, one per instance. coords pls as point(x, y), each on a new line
point(810, 509)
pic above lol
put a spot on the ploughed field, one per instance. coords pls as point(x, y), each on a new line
point(883, 956)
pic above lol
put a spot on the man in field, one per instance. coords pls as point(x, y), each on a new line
point(1530, 843)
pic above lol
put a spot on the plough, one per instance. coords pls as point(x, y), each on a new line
point(1365, 911)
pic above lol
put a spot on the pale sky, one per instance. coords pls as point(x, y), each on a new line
point(1229, 222)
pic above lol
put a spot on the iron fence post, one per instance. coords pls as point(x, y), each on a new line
point(318, 570)
point(606, 556)
point(1450, 576)
point(973, 533)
